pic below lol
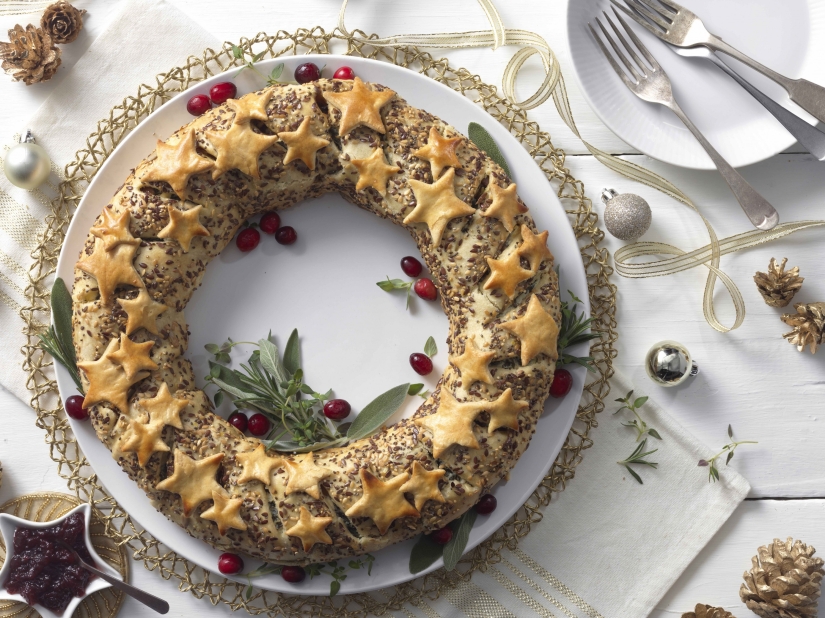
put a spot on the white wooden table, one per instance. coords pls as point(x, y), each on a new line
point(750, 378)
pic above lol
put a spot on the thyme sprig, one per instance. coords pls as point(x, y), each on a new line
point(713, 471)
point(638, 424)
point(637, 457)
point(272, 78)
point(339, 572)
point(391, 285)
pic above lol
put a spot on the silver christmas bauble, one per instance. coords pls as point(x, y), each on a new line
point(668, 363)
point(627, 216)
point(27, 165)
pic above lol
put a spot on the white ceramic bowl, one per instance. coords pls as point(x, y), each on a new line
point(10, 523)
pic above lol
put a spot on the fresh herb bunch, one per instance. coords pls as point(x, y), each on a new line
point(572, 332)
point(637, 457)
point(57, 340)
point(713, 471)
point(391, 285)
point(638, 424)
point(272, 78)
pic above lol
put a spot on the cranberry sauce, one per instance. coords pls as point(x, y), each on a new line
point(47, 573)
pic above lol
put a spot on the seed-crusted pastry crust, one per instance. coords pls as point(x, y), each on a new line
point(147, 254)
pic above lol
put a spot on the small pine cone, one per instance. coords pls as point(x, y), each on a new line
point(30, 55)
point(784, 581)
point(808, 325)
point(776, 286)
point(706, 611)
point(63, 22)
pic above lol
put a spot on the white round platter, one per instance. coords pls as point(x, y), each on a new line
point(788, 37)
point(355, 338)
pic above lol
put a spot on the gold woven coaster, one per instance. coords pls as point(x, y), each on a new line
point(48, 506)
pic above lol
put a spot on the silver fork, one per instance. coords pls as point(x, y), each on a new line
point(650, 83)
point(682, 28)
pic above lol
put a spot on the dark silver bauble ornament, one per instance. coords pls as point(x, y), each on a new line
point(626, 215)
point(27, 165)
point(668, 363)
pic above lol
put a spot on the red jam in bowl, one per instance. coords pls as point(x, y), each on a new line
point(46, 573)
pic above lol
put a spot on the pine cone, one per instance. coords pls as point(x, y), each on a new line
point(63, 22)
point(808, 325)
point(30, 55)
point(706, 611)
point(776, 286)
point(784, 581)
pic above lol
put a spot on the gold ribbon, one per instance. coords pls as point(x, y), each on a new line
point(553, 85)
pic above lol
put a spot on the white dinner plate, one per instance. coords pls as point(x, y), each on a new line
point(787, 36)
point(355, 338)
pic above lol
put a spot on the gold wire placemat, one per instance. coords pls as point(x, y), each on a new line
point(47, 506)
point(72, 464)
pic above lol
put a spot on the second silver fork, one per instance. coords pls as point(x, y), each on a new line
point(650, 83)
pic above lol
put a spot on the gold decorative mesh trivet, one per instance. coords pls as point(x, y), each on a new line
point(47, 506)
point(72, 464)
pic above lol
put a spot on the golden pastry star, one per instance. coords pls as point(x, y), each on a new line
point(251, 106)
point(115, 230)
point(534, 247)
point(193, 480)
point(505, 206)
point(302, 144)
point(423, 485)
point(225, 511)
point(257, 465)
point(374, 172)
point(473, 364)
point(311, 530)
point(163, 408)
point(452, 423)
point(440, 152)
point(142, 312)
point(504, 411)
point(437, 205)
point(360, 106)
point(239, 148)
point(111, 268)
point(537, 331)
point(144, 439)
point(175, 164)
point(107, 380)
point(305, 476)
point(183, 226)
point(133, 357)
point(506, 274)
point(383, 501)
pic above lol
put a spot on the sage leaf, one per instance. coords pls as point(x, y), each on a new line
point(270, 359)
point(430, 349)
point(415, 389)
point(377, 412)
point(61, 302)
point(288, 446)
point(481, 138)
point(424, 553)
point(461, 534)
point(292, 353)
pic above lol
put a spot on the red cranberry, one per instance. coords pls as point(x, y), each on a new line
point(238, 421)
point(411, 266)
point(230, 564)
point(442, 536)
point(293, 574)
point(74, 408)
point(421, 364)
point(199, 104)
point(562, 383)
point(270, 222)
point(248, 239)
point(286, 235)
point(344, 73)
point(258, 424)
point(305, 73)
point(425, 288)
point(486, 505)
point(219, 93)
point(337, 409)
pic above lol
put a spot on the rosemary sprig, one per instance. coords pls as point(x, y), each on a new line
point(572, 332)
point(713, 471)
point(57, 340)
point(638, 424)
point(272, 78)
point(391, 285)
point(637, 457)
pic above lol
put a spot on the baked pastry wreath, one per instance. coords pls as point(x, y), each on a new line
point(180, 207)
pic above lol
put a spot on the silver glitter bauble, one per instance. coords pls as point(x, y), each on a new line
point(668, 363)
point(626, 215)
point(27, 165)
